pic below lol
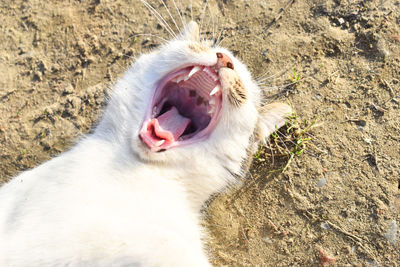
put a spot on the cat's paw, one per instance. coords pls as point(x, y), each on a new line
point(271, 118)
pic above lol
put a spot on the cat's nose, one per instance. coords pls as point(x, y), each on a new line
point(223, 61)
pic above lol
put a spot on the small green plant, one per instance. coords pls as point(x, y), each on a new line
point(290, 140)
point(298, 133)
point(257, 155)
point(274, 135)
point(296, 77)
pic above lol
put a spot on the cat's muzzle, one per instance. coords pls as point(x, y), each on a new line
point(185, 107)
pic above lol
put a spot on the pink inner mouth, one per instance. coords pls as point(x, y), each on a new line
point(185, 108)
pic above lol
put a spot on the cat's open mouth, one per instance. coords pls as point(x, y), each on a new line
point(185, 108)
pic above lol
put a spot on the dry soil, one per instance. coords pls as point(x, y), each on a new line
point(337, 203)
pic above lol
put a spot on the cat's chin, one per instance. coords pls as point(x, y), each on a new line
point(185, 108)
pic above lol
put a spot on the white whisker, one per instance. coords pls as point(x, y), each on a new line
point(159, 18)
point(191, 10)
point(273, 88)
point(181, 14)
point(220, 42)
point(202, 16)
point(217, 42)
point(151, 35)
point(208, 25)
point(215, 28)
point(170, 15)
point(262, 77)
point(213, 25)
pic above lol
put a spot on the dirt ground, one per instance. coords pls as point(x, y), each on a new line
point(337, 203)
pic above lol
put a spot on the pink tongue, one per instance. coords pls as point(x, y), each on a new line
point(170, 125)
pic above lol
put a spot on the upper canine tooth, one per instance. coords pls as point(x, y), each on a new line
point(215, 90)
point(193, 71)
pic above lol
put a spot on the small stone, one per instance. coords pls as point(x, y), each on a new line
point(42, 66)
point(391, 233)
point(325, 226)
point(397, 202)
point(341, 21)
point(267, 240)
point(69, 89)
point(55, 68)
point(321, 182)
point(367, 140)
point(37, 77)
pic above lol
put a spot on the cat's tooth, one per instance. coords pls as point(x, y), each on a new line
point(159, 143)
point(154, 111)
point(211, 110)
point(211, 102)
point(215, 90)
point(180, 78)
point(210, 74)
point(193, 71)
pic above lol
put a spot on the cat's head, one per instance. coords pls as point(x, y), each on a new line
point(196, 100)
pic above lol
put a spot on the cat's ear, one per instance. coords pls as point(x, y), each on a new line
point(271, 118)
point(190, 32)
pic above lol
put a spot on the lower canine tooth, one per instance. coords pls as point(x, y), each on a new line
point(215, 90)
point(180, 78)
point(159, 143)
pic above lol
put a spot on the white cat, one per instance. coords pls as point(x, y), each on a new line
point(179, 127)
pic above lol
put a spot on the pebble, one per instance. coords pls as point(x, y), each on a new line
point(325, 226)
point(367, 140)
point(321, 182)
point(391, 233)
point(69, 89)
point(267, 240)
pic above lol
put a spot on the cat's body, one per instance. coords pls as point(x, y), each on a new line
point(120, 197)
point(94, 207)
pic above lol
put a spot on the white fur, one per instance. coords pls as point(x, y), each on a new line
point(109, 201)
